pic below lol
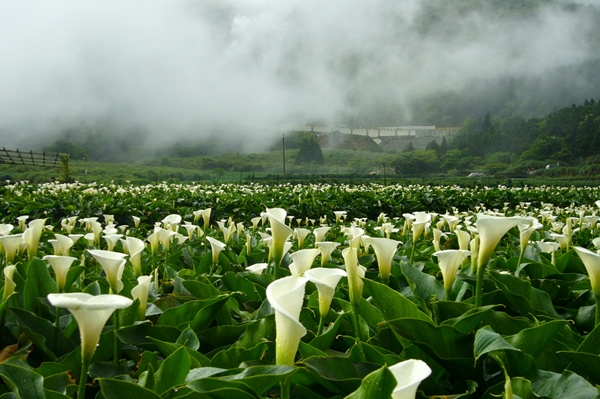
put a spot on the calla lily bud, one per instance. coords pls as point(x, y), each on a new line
point(326, 280)
point(140, 292)
point(385, 249)
point(302, 260)
point(136, 221)
point(9, 284)
point(409, 375)
point(61, 266)
point(286, 296)
point(91, 313)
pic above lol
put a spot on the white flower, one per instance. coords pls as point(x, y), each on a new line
point(286, 296)
point(302, 260)
point(326, 280)
point(409, 375)
point(113, 264)
point(61, 266)
point(140, 292)
point(91, 313)
point(385, 249)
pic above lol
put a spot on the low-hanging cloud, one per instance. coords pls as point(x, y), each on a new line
point(185, 69)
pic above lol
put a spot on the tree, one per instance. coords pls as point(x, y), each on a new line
point(310, 151)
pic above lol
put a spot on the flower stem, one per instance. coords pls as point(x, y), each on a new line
point(285, 388)
point(85, 365)
point(447, 292)
point(117, 354)
point(597, 321)
point(321, 324)
point(479, 286)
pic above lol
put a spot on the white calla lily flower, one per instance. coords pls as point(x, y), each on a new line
point(140, 292)
point(326, 280)
point(135, 247)
point(257, 268)
point(385, 249)
point(302, 260)
point(449, 262)
point(11, 244)
point(32, 236)
point(409, 375)
point(91, 313)
point(113, 264)
point(60, 265)
point(286, 296)
point(9, 284)
point(327, 248)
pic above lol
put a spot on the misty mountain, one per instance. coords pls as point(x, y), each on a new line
point(148, 75)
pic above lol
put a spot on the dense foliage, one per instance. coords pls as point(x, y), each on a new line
point(210, 328)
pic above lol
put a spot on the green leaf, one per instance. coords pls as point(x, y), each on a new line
point(119, 389)
point(26, 384)
point(392, 304)
point(43, 334)
point(534, 341)
point(442, 342)
point(172, 371)
point(567, 385)
point(261, 378)
point(234, 356)
point(189, 338)
point(526, 299)
point(423, 284)
point(38, 284)
point(379, 384)
point(197, 314)
point(141, 334)
point(220, 389)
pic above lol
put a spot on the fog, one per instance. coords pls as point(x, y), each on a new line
point(245, 69)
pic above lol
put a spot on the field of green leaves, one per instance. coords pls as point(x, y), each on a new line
point(298, 291)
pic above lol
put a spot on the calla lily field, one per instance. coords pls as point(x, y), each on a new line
point(299, 291)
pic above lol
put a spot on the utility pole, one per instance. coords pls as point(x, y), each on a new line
point(384, 178)
point(283, 147)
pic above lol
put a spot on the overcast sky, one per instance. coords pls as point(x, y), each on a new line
point(180, 68)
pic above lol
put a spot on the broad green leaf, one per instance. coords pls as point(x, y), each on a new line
point(585, 364)
point(234, 356)
point(567, 385)
point(379, 384)
point(442, 342)
point(43, 334)
point(423, 285)
point(261, 378)
point(526, 299)
point(534, 340)
point(324, 341)
point(38, 284)
point(141, 334)
point(221, 389)
point(24, 383)
point(189, 338)
point(172, 371)
point(470, 320)
point(118, 389)
point(392, 304)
